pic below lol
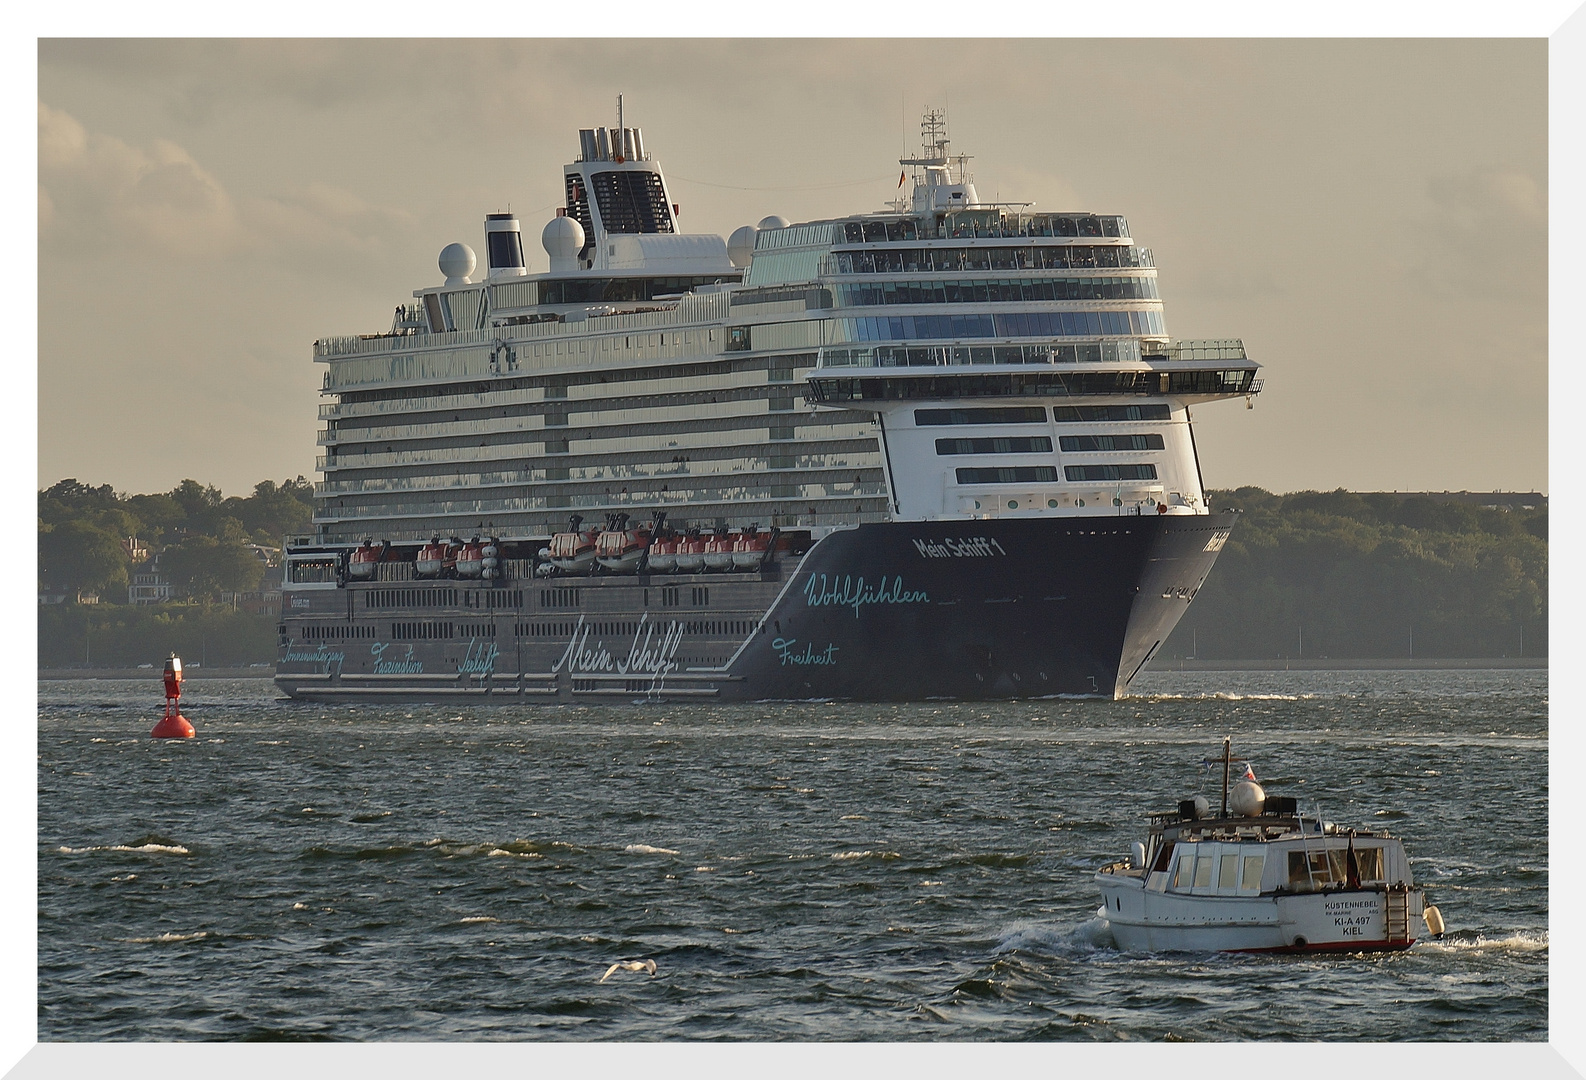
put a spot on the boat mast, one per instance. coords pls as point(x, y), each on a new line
point(1227, 760)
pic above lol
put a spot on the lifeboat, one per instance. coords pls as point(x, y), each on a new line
point(663, 554)
point(363, 560)
point(430, 559)
point(489, 559)
point(690, 553)
point(619, 548)
point(749, 551)
point(573, 552)
point(449, 557)
point(718, 551)
point(471, 560)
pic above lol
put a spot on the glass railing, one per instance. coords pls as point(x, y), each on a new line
point(1092, 352)
point(1210, 349)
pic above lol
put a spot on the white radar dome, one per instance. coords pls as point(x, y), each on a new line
point(1246, 799)
point(1202, 807)
point(457, 261)
point(563, 237)
point(740, 246)
point(775, 221)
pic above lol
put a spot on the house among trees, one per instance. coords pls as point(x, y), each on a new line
point(149, 586)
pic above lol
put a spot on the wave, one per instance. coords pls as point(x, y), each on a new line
point(478, 919)
point(150, 848)
point(164, 939)
point(646, 849)
point(845, 855)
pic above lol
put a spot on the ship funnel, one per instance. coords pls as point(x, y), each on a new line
point(504, 246)
point(588, 150)
point(602, 145)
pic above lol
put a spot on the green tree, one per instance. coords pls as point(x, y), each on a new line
point(202, 567)
point(75, 555)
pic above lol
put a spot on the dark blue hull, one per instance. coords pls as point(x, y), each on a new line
point(901, 611)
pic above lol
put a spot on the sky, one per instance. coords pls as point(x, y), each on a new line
point(1369, 216)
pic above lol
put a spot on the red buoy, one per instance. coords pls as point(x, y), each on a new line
point(173, 725)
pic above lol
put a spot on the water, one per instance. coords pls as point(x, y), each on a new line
point(797, 871)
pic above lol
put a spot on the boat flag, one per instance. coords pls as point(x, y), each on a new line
point(1249, 772)
point(901, 174)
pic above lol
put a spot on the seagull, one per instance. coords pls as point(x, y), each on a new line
point(629, 965)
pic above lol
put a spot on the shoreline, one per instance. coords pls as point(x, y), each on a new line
point(1491, 663)
point(157, 674)
point(1501, 663)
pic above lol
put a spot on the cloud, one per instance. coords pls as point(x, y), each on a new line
point(98, 191)
point(1484, 236)
point(100, 195)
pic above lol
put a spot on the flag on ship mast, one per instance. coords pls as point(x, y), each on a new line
point(901, 174)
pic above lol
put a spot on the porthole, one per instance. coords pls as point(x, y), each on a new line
point(1013, 504)
point(1080, 502)
point(1052, 503)
point(977, 504)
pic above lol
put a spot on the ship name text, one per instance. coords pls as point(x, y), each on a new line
point(969, 547)
point(652, 652)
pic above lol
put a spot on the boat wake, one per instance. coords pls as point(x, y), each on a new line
point(1521, 941)
point(1092, 935)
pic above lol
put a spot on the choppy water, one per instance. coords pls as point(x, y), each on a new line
point(795, 871)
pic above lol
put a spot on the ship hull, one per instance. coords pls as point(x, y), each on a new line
point(901, 611)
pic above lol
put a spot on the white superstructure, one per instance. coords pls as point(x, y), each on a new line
point(944, 359)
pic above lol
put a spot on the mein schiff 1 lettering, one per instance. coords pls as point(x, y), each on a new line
point(939, 451)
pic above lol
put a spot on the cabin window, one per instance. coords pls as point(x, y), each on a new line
point(1228, 872)
point(1370, 862)
point(1251, 878)
point(1203, 872)
point(1185, 874)
point(1322, 868)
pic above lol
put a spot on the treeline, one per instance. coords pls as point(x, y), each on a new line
point(118, 635)
point(1342, 575)
point(1312, 574)
point(203, 539)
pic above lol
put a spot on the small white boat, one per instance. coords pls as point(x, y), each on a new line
point(1262, 877)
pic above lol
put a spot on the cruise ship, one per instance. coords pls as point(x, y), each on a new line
point(942, 450)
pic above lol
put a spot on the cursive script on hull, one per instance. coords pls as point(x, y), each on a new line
point(480, 659)
point(846, 591)
point(788, 652)
point(320, 656)
point(652, 652)
point(398, 664)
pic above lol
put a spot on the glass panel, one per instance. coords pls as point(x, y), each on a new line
point(1203, 872)
point(1186, 871)
point(1228, 871)
point(1252, 872)
point(1336, 867)
point(1370, 862)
